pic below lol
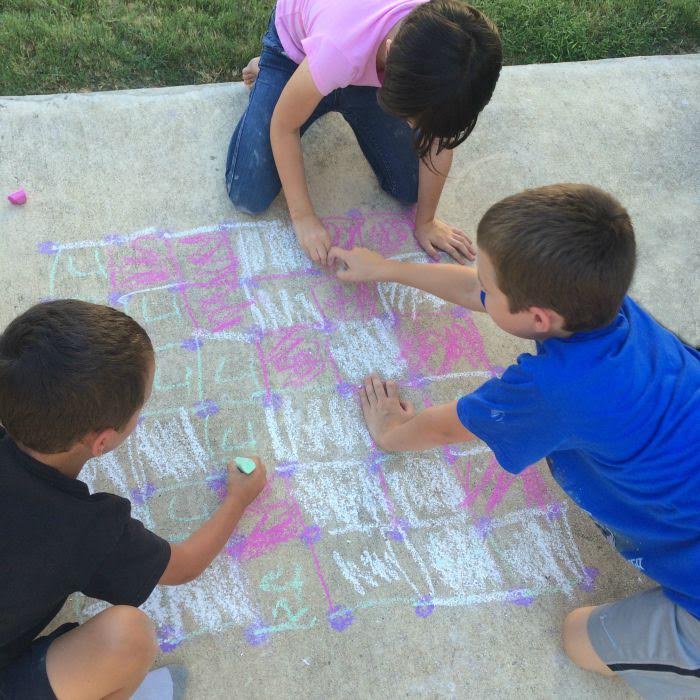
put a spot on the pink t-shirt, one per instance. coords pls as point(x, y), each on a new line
point(340, 38)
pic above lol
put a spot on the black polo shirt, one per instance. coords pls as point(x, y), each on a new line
point(55, 539)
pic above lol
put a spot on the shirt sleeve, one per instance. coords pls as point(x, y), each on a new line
point(131, 570)
point(513, 418)
point(329, 67)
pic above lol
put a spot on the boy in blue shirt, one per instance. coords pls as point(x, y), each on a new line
point(611, 399)
point(73, 379)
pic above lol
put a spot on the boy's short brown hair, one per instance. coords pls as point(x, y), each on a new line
point(569, 248)
point(68, 368)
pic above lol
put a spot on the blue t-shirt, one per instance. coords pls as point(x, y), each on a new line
point(617, 412)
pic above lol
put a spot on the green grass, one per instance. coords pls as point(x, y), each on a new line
point(68, 45)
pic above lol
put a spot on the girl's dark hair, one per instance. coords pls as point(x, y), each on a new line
point(567, 247)
point(68, 368)
point(441, 71)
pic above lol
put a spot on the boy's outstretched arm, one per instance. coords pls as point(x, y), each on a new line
point(188, 559)
point(454, 283)
point(395, 426)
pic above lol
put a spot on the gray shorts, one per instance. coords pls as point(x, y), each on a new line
point(651, 643)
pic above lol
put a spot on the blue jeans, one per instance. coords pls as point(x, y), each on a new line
point(386, 141)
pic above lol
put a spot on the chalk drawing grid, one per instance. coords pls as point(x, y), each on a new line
point(259, 353)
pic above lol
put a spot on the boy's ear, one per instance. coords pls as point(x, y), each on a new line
point(102, 442)
point(544, 319)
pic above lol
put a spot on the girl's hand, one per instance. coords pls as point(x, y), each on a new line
point(437, 234)
point(357, 265)
point(313, 238)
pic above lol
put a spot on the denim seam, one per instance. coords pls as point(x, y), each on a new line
point(234, 158)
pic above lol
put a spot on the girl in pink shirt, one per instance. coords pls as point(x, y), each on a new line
point(409, 76)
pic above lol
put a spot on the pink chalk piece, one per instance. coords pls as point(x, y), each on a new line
point(19, 197)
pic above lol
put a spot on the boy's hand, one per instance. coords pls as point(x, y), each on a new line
point(382, 408)
point(313, 238)
point(360, 264)
point(437, 234)
point(245, 487)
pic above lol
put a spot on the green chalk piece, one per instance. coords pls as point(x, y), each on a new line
point(245, 465)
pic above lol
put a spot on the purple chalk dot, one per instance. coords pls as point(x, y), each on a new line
point(235, 546)
point(354, 214)
point(206, 408)
point(178, 287)
point(425, 607)
point(256, 635)
point(340, 618)
point(450, 456)
point(115, 298)
point(590, 574)
point(114, 239)
point(520, 597)
point(47, 247)
point(273, 400)
point(327, 326)
point(416, 381)
point(252, 282)
point(375, 462)
point(254, 334)
point(286, 469)
point(345, 389)
point(554, 511)
point(459, 312)
point(169, 638)
point(217, 482)
point(191, 344)
point(140, 420)
point(483, 526)
point(497, 370)
point(141, 495)
point(396, 534)
point(311, 534)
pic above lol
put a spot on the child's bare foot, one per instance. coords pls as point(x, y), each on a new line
point(250, 72)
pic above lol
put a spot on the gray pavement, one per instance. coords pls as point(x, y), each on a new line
point(355, 575)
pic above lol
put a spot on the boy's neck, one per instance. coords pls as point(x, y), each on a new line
point(68, 463)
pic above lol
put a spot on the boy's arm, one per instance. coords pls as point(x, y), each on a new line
point(395, 427)
point(431, 232)
point(454, 283)
point(295, 105)
point(188, 559)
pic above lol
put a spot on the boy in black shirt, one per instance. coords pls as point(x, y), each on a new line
point(73, 379)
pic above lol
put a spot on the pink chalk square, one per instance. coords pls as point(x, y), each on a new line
point(345, 302)
point(294, 357)
point(206, 258)
point(438, 344)
point(142, 264)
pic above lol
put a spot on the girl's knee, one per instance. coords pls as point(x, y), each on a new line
point(247, 203)
point(404, 191)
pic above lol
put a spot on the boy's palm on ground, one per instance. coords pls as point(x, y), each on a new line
point(437, 235)
point(246, 487)
point(382, 408)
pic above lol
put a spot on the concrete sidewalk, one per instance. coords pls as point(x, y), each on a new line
point(357, 574)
